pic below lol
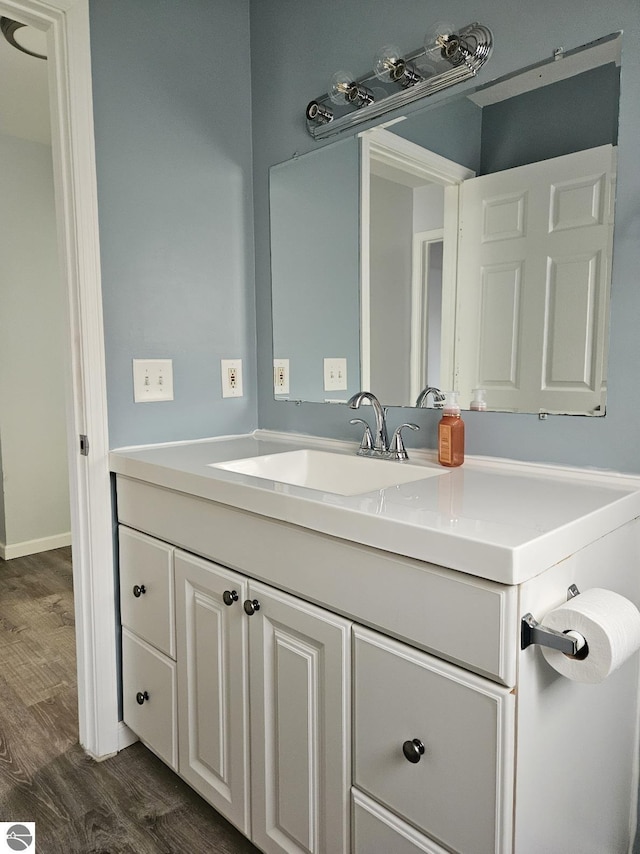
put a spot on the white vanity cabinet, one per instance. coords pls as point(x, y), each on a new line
point(263, 703)
point(269, 699)
point(338, 698)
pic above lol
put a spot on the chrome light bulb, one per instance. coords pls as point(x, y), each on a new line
point(388, 64)
point(441, 39)
point(340, 86)
point(391, 67)
point(345, 90)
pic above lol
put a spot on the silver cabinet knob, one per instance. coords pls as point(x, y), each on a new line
point(251, 606)
point(229, 597)
point(413, 750)
point(139, 590)
point(141, 696)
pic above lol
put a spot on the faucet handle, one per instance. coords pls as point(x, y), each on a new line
point(397, 448)
point(367, 439)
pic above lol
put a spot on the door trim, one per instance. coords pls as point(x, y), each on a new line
point(73, 150)
point(422, 240)
point(425, 167)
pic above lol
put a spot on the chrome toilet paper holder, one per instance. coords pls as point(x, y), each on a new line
point(532, 632)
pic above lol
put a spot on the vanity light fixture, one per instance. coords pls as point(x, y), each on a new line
point(446, 58)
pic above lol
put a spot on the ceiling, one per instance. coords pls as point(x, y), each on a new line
point(24, 95)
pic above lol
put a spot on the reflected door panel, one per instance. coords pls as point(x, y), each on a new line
point(533, 284)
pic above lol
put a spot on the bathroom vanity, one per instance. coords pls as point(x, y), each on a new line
point(344, 673)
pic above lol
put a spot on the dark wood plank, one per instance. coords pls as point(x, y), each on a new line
point(129, 803)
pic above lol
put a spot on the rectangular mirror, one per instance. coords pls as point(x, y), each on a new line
point(467, 246)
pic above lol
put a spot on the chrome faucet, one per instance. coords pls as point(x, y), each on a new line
point(379, 445)
point(381, 439)
point(438, 397)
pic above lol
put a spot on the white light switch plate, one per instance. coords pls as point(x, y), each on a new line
point(152, 380)
point(335, 374)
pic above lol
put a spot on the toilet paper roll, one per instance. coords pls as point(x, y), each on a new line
point(609, 623)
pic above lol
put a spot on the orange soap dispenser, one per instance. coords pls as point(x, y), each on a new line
point(451, 432)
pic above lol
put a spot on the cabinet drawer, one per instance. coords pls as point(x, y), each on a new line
point(459, 792)
point(146, 589)
point(144, 669)
point(378, 831)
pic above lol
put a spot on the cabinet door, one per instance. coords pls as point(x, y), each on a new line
point(300, 725)
point(211, 641)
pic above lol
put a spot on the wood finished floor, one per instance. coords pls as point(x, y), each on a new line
point(129, 803)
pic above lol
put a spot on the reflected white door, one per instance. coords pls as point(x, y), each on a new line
point(392, 333)
point(533, 284)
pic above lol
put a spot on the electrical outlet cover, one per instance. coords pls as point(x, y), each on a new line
point(281, 376)
point(231, 371)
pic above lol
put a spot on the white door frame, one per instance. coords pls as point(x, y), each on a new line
point(420, 308)
point(73, 149)
point(396, 153)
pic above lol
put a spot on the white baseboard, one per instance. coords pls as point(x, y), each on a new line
point(32, 547)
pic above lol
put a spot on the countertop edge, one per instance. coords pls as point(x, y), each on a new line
point(502, 564)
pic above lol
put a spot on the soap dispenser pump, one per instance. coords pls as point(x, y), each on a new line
point(478, 402)
point(451, 432)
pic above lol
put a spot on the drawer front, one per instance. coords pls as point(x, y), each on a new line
point(146, 589)
point(459, 792)
point(378, 831)
point(150, 676)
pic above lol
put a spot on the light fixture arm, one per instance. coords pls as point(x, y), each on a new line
point(416, 75)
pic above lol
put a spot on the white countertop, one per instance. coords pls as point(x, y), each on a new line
point(504, 521)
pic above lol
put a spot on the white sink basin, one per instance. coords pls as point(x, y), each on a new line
point(338, 473)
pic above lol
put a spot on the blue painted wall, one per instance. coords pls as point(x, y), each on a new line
point(315, 267)
point(554, 120)
point(173, 153)
point(453, 130)
point(295, 49)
